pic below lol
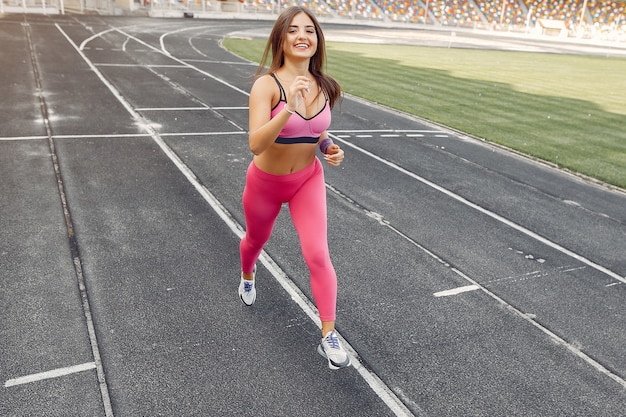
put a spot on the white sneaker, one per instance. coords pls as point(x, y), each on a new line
point(247, 291)
point(331, 349)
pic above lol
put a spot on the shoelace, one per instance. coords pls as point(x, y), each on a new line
point(332, 340)
point(247, 286)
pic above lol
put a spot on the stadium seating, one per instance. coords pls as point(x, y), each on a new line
point(598, 16)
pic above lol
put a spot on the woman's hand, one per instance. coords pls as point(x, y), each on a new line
point(298, 91)
point(334, 155)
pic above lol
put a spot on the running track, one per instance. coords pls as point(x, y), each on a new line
point(472, 281)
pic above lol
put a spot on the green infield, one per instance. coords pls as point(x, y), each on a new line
point(568, 110)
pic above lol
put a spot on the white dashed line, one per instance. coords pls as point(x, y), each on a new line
point(456, 291)
point(55, 373)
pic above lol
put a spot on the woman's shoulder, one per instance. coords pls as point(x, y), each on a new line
point(265, 90)
point(264, 84)
point(265, 80)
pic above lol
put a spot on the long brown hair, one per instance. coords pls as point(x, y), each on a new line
point(275, 45)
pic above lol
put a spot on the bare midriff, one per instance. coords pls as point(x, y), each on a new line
point(280, 159)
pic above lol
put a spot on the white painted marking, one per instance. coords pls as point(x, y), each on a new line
point(414, 135)
point(105, 64)
point(363, 136)
point(123, 135)
point(124, 44)
point(163, 36)
point(102, 385)
point(55, 373)
point(390, 135)
point(120, 135)
point(456, 291)
point(170, 108)
point(365, 131)
point(417, 131)
point(206, 61)
point(89, 39)
point(199, 52)
point(23, 138)
point(240, 132)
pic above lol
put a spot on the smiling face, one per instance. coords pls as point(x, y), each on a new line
point(301, 38)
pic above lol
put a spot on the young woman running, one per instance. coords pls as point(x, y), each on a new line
point(290, 107)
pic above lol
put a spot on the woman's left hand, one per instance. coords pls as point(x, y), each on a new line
point(334, 155)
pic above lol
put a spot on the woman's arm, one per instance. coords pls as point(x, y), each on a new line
point(263, 129)
point(333, 154)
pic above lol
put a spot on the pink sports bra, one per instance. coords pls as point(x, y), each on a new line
point(299, 129)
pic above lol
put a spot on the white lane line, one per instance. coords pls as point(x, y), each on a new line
point(107, 136)
point(487, 212)
point(352, 131)
point(376, 384)
point(171, 108)
point(190, 108)
point(123, 135)
point(239, 132)
point(190, 42)
point(105, 64)
point(124, 44)
point(55, 373)
point(93, 339)
point(418, 131)
point(89, 39)
point(204, 61)
point(7, 139)
point(456, 291)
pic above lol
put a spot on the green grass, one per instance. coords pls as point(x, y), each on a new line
point(565, 109)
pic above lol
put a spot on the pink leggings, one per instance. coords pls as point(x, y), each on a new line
point(306, 194)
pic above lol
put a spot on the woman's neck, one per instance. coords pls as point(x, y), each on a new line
point(295, 69)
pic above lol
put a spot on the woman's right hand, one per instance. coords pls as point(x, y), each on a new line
point(298, 91)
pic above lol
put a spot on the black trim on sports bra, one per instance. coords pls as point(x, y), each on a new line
point(283, 97)
point(302, 139)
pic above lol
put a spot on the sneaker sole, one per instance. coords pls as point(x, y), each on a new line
point(332, 365)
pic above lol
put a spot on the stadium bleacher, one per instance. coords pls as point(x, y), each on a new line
point(512, 15)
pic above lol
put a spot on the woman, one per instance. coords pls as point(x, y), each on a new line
point(290, 107)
